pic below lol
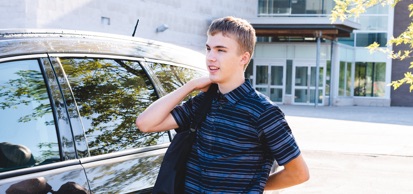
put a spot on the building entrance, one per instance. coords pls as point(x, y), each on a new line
point(304, 83)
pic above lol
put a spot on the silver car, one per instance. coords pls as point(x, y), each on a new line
point(68, 102)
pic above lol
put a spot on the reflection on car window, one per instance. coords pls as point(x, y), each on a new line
point(172, 77)
point(28, 134)
point(110, 94)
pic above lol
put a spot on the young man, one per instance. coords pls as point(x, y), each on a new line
point(243, 133)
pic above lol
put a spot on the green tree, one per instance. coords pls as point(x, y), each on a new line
point(353, 8)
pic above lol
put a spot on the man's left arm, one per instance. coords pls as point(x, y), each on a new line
point(295, 172)
point(284, 148)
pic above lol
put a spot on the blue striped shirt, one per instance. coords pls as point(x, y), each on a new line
point(235, 147)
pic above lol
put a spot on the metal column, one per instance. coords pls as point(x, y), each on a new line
point(318, 35)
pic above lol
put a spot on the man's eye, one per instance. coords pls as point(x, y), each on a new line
point(220, 50)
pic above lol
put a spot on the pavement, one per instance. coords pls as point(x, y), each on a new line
point(354, 149)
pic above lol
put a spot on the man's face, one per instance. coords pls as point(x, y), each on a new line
point(224, 60)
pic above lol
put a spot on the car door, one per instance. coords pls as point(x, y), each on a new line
point(37, 150)
point(109, 93)
point(105, 94)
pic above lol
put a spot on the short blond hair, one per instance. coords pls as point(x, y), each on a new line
point(241, 29)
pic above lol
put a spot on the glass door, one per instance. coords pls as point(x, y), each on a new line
point(305, 85)
point(270, 81)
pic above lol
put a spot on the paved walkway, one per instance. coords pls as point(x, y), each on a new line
point(372, 130)
point(354, 149)
point(388, 115)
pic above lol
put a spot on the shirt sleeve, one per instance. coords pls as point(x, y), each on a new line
point(277, 135)
point(183, 115)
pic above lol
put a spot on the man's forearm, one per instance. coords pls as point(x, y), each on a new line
point(295, 172)
point(155, 117)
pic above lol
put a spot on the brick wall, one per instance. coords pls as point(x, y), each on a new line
point(401, 96)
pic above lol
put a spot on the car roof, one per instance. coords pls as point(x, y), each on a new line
point(17, 42)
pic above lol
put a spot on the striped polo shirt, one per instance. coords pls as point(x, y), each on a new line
point(237, 143)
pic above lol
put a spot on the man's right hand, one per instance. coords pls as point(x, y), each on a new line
point(201, 83)
point(157, 117)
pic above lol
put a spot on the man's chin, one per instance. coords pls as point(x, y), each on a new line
point(212, 77)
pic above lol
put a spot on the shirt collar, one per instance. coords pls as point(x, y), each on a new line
point(239, 93)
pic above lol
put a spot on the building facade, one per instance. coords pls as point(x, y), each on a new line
point(401, 96)
point(301, 57)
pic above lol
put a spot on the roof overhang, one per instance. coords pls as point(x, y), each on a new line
point(303, 26)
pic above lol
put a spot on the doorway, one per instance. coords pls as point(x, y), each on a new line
point(304, 83)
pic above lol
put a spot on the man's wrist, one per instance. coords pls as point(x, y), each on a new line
point(189, 86)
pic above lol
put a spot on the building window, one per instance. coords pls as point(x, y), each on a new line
point(105, 21)
point(365, 39)
point(274, 7)
point(289, 81)
point(374, 19)
point(328, 77)
point(370, 79)
point(249, 72)
point(345, 79)
point(295, 7)
point(347, 40)
point(373, 22)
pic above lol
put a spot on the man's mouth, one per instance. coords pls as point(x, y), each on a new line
point(213, 68)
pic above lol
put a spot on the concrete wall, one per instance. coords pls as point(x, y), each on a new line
point(187, 20)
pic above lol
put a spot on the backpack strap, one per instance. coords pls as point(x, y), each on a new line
point(204, 108)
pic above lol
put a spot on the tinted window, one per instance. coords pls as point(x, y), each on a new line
point(370, 79)
point(365, 39)
point(172, 77)
point(28, 133)
point(110, 94)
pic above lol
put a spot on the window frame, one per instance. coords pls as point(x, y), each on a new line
point(159, 91)
point(371, 86)
point(66, 152)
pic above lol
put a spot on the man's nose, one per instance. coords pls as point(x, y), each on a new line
point(210, 56)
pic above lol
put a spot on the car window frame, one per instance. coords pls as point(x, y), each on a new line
point(78, 121)
point(66, 153)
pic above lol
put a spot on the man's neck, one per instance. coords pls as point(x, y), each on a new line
point(229, 86)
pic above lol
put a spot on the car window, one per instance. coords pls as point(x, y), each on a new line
point(28, 133)
point(172, 77)
point(110, 94)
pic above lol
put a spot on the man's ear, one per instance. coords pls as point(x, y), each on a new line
point(245, 58)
